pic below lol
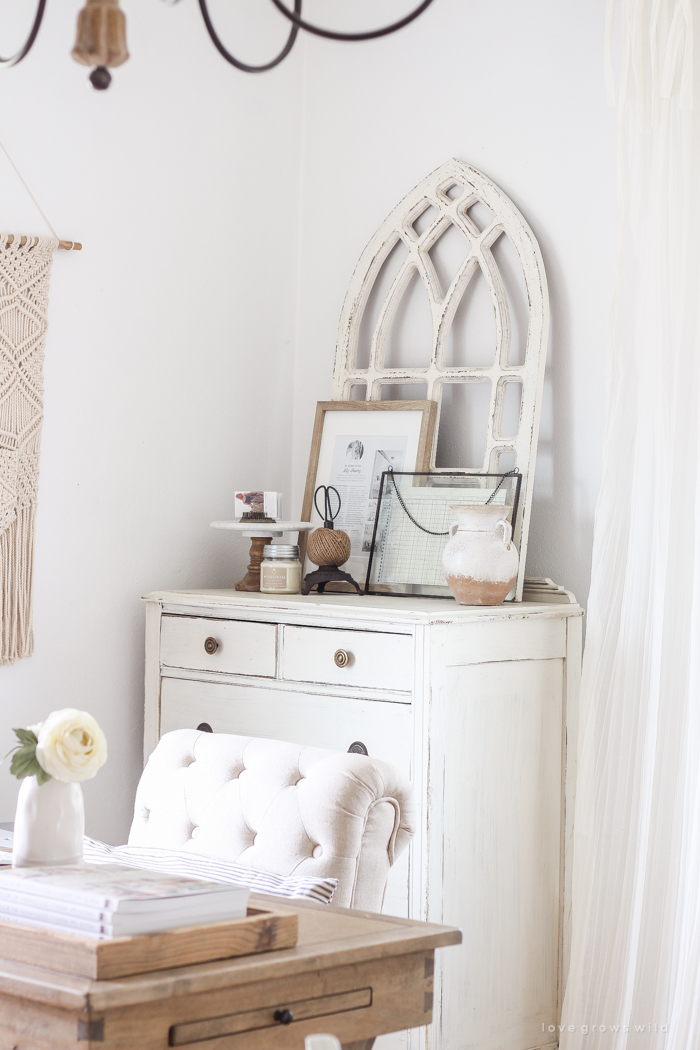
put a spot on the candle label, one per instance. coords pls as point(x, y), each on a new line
point(274, 577)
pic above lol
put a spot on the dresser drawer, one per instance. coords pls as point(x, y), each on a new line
point(335, 722)
point(383, 726)
point(367, 659)
point(202, 643)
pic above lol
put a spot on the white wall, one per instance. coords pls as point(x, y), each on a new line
point(516, 89)
point(169, 343)
point(222, 216)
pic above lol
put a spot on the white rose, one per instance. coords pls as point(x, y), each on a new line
point(71, 746)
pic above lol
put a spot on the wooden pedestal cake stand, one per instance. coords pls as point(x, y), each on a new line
point(259, 533)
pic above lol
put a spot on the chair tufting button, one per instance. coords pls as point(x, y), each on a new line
point(317, 851)
point(194, 833)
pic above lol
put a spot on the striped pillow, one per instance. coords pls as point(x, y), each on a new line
point(198, 866)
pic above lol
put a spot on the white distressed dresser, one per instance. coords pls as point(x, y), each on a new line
point(472, 703)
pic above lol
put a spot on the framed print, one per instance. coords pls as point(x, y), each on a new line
point(353, 444)
point(414, 513)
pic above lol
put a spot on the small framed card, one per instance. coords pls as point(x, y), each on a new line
point(256, 502)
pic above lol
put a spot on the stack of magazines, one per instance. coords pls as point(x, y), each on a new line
point(109, 900)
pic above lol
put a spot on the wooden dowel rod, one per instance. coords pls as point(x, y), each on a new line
point(68, 246)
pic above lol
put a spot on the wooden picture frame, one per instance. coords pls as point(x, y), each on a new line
point(408, 425)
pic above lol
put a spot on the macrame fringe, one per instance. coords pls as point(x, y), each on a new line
point(16, 591)
point(25, 270)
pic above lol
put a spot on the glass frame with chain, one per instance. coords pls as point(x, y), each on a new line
point(405, 556)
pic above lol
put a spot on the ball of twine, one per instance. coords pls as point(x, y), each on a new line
point(328, 547)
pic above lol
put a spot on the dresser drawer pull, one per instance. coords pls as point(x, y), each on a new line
point(357, 748)
point(341, 658)
point(204, 727)
point(283, 1016)
point(210, 646)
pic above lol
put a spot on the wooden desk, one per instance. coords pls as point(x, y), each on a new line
point(352, 974)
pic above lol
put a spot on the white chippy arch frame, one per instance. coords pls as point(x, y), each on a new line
point(398, 226)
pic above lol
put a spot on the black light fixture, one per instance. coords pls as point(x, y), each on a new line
point(101, 38)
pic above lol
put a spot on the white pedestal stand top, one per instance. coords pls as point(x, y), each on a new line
point(253, 529)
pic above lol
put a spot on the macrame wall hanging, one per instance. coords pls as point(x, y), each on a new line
point(25, 269)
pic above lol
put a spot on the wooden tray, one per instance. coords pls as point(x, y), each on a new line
point(262, 930)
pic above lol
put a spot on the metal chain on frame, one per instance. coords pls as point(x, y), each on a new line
point(418, 525)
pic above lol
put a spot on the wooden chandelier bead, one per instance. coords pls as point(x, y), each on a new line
point(328, 547)
point(101, 37)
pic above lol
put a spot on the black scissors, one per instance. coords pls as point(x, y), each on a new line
point(327, 513)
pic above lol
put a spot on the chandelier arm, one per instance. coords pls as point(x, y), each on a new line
point(13, 60)
point(330, 34)
point(216, 40)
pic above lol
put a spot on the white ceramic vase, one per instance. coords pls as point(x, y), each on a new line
point(480, 561)
point(49, 824)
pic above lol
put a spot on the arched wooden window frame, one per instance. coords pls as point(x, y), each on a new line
point(507, 219)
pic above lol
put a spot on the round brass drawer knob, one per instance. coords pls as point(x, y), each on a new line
point(341, 658)
point(210, 646)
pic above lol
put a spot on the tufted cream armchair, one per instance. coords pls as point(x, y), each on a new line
point(276, 807)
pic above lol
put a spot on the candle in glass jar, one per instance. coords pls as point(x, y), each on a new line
point(280, 571)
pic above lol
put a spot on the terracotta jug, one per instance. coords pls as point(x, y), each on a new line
point(480, 561)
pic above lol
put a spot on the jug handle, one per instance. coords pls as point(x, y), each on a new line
point(453, 528)
point(507, 532)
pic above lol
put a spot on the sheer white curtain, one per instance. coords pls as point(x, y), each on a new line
point(635, 961)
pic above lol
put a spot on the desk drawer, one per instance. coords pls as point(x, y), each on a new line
point(202, 643)
point(269, 1017)
point(367, 659)
point(355, 1001)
